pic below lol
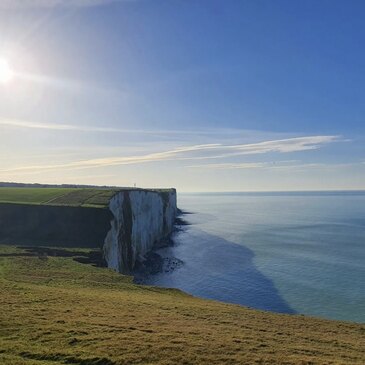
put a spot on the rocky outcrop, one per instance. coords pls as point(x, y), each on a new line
point(125, 231)
point(141, 218)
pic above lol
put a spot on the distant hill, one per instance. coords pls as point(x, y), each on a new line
point(36, 185)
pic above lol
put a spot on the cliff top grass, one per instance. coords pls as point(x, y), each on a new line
point(77, 197)
point(84, 197)
point(56, 311)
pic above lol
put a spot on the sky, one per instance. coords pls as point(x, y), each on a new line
point(200, 95)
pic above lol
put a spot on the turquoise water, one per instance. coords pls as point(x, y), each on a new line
point(284, 252)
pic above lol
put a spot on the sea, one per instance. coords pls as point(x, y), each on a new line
point(287, 252)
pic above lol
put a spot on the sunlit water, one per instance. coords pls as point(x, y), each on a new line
point(293, 253)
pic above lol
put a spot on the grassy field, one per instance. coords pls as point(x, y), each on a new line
point(54, 310)
point(76, 197)
point(85, 197)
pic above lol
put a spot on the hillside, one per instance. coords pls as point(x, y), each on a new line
point(123, 223)
point(55, 310)
point(95, 197)
point(76, 197)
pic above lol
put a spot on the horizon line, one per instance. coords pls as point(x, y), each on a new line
point(45, 185)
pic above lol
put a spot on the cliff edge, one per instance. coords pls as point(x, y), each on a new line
point(124, 223)
point(140, 220)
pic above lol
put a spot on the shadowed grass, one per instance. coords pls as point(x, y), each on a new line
point(58, 311)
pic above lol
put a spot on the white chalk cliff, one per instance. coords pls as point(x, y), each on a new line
point(141, 218)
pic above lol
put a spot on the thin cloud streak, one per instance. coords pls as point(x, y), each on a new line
point(112, 161)
point(255, 165)
point(231, 166)
point(29, 4)
point(280, 146)
point(76, 128)
point(55, 127)
point(208, 132)
point(187, 153)
point(279, 165)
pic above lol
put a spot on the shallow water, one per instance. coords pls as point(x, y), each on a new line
point(284, 252)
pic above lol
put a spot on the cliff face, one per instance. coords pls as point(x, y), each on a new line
point(125, 228)
point(42, 225)
point(140, 219)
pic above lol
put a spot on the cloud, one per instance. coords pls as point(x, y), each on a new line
point(244, 165)
point(278, 145)
point(188, 153)
point(257, 165)
point(277, 165)
point(23, 124)
point(55, 127)
point(287, 145)
point(27, 4)
point(224, 166)
point(112, 161)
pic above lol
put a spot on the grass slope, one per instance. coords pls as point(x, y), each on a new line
point(85, 197)
point(31, 195)
point(75, 197)
point(58, 311)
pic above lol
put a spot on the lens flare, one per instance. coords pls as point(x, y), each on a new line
point(6, 73)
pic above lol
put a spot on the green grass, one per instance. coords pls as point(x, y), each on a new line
point(31, 195)
point(57, 311)
point(86, 197)
point(76, 197)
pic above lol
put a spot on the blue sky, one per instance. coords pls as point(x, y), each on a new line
point(201, 95)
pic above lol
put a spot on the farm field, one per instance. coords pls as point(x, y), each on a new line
point(55, 310)
point(57, 196)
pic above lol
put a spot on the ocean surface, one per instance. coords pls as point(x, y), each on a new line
point(283, 252)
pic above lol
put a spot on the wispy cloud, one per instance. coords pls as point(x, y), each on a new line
point(244, 165)
point(194, 152)
point(112, 161)
point(56, 127)
point(20, 4)
point(231, 166)
point(277, 165)
point(256, 165)
point(24, 124)
point(280, 146)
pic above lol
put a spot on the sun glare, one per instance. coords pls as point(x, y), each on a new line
point(6, 73)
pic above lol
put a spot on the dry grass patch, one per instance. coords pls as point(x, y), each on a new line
point(58, 311)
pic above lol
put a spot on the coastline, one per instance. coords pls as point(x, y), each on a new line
point(280, 268)
point(57, 310)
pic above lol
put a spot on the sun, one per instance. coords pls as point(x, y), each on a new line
point(6, 73)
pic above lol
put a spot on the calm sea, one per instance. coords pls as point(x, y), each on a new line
point(283, 252)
